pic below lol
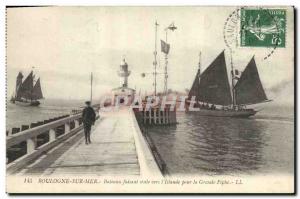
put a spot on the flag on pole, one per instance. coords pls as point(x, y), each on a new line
point(165, 47)
point(236, 74)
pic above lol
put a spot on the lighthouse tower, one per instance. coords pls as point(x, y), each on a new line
point(123, 74)
point(123, 95)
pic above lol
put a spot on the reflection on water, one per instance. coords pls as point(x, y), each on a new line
point(212, 145)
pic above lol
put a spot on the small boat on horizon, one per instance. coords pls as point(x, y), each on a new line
point(28, 92)
point(214, 96)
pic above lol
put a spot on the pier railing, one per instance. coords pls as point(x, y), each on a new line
point(55, 133)
point(158, 159)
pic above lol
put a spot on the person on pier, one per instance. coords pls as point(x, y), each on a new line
point(88, 119)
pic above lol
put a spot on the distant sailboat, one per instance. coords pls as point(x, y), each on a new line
point(27, 93)
point(212, 88)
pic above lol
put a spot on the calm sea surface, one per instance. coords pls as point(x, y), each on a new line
point(229, 146)
point(17, 115)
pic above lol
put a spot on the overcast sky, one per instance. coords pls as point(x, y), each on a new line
point(66, 44)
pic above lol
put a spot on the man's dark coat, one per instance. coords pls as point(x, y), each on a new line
point(88, 116)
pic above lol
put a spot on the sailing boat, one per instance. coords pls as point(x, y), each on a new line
point(27, 93)
point(212, 88)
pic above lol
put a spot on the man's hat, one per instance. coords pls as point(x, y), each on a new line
point(87, 102)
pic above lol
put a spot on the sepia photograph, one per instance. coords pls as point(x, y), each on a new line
point(150, 99)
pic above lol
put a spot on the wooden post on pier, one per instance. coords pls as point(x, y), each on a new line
point(52, 135)
point(67, 128)
point(145, 114)
point(76, 123)
point(150, 116)
point(31, 144)
point(163, 116)
point(159, 116)
point(174, 117)
point(155, 116)
point(167, 116)
point(171, 113)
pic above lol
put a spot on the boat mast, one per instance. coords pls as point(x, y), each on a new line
point(199, 74)
point(232, 68)
point(31, 89)
point(232, 81)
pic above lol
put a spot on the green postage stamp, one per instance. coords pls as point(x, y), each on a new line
point(263, 27)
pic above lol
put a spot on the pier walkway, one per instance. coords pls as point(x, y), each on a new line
point(117, 148)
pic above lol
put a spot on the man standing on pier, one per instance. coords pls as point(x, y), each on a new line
point(88, 119)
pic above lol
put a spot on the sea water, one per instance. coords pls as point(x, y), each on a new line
point(228, 146)
point(17, 115)
point(199, 144)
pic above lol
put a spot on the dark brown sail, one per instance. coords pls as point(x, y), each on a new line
point(249, 89)
point(195, 88)
point(37, 91)
point(214, 86)
point(26, 88)
point(18, 83)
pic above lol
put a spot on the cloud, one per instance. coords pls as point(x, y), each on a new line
point(283, 92)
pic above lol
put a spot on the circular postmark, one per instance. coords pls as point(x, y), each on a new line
point(255, 27)
point(230, 30)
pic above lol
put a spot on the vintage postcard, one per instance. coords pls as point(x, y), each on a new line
point(150, 99)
